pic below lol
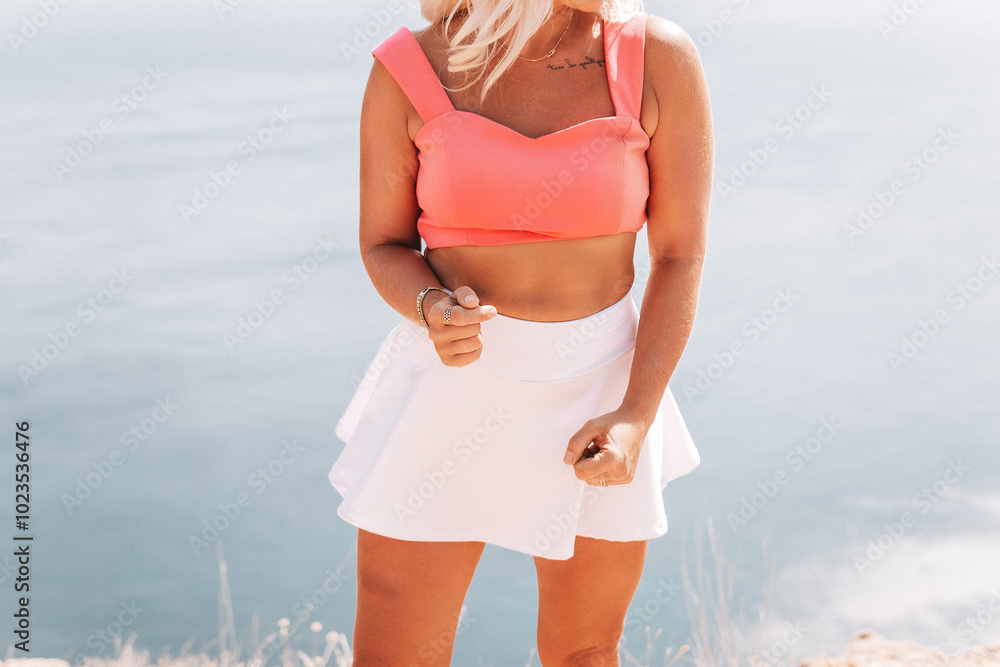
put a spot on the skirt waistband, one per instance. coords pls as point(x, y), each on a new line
point(533, 351)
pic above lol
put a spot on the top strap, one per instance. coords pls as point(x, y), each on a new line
point(624, 48)
point(402, 56)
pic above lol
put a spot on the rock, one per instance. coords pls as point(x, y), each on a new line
point(869, 649)
point(34, 662)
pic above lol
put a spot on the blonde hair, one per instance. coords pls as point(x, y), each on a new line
point(500, 26)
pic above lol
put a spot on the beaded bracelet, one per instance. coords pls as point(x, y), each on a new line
point(420, 301)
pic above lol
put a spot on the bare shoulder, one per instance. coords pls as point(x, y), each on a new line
point(671, 55)
point(663, 34)
point(382, 90)
point(674, 82)
point(386, 105)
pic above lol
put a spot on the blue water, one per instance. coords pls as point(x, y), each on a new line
point(873, 476)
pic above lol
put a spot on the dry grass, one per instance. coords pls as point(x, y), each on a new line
point(723, 636)
point(329, 650)
point(719, 640)
point(630, 660)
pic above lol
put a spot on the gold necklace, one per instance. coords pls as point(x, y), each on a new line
point(550, 53)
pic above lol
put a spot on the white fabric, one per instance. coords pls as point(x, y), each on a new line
point(440, 453)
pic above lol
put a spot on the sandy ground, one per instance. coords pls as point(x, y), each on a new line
point(870, 649)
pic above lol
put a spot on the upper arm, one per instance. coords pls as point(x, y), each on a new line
point(681, 148)
point(388, 164)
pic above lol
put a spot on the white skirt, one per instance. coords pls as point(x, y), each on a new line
point(439, 453)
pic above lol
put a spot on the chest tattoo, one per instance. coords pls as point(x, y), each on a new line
point(566, 64)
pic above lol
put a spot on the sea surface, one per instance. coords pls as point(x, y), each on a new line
point(184, 315)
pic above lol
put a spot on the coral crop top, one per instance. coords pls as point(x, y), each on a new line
point(482, 183)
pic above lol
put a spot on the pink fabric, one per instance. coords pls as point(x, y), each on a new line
point(482, 183)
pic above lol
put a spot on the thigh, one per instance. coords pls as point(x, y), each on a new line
point(409, 597)
point(582, 601)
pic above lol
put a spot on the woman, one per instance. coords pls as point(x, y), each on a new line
point(522, 400)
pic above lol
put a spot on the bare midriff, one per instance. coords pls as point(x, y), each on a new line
point(546, 281)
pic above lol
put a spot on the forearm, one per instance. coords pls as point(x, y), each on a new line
point(665, 321)
point(399, 273)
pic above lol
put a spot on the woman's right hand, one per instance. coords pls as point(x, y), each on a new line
point(458, 343)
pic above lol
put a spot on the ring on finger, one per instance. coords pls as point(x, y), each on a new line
point(447, 315)
point(604, 482)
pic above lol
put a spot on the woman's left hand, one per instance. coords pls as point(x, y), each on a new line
point(607, 448)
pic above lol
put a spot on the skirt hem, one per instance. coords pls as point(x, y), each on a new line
point(358, 521)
